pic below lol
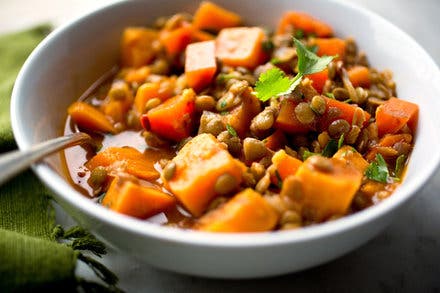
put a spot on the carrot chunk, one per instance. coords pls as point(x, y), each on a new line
point(212, 17)
point(304, 22)
point(126, 159)
point(359, 76)
point(276, 140)
point(200, 64)
point(175, 41)
point(394, 114)
point(388, 140)
point(241, 46)
point(174, 118)
point(287, 120)
point(339, 110)
point(198, 166)
point(328, 187)
point(247, 211)
point(88, 117)
point(330, 47)
point(136, 74)
point(138, 201)
point(319, 79)
point(137, 46)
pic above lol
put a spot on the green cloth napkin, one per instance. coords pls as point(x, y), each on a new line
point(31, 257)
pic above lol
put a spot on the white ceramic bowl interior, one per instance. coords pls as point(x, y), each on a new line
point(70, 59)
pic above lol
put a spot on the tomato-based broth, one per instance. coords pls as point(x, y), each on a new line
point(211, 125)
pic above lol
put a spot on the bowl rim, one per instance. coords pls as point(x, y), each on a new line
point(64, 190)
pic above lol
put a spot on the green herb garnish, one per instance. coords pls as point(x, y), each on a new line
point(330, 95)
point(299, 33)
point(223, 77)
point(223, 104)
point(308, 154)
point(275, 61)
point(223, 113)
point(400, 163)
point(330, 148)
point(279, 179)
point(231, 130)
point(275, 83)
point(341, 141)
point(267, 45)
point(378, 170)
point(313, 48)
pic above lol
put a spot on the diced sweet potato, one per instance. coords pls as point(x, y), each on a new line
point(394, 114)
point(287, 121)
point(137, 75)
point(330, 47)
point(247, 211)
point(240, 117)
point(305, 22)
point(150, 90)
point(86, 116)
point(276, 140)
point(138, 201)
point(137, 46)
point(328, 187)
point(200, 64)
point(212, 17)
point(352, 157)
point(241, 46)
point(174, 118)
point(285, 165)
point(126, 159)
point(198, 166)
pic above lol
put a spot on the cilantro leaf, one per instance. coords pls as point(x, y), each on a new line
point(330, 95)
point(231, 130)
point(341, 141)
point(378, 170)
point(330, 148)
point(309, 62)
point(272, 83)
point(400, 163)
point(308, 154)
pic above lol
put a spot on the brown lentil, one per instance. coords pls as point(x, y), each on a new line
point(352, 135)
point(169, 170)
point(253, 149)
point(318, 105)
point(322, 164)
point(340, 94)
point(304, 113)
point(263, 183)
point(292, 189)
point(97, 177)
point(338, 127)
point(152, 103)
point(225, 184)
point(323, 139)
point(257, 170)
point(205, 103)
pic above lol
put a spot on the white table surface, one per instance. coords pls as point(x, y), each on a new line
point(403, 258)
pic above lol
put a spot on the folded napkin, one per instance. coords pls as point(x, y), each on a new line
point(31, 255)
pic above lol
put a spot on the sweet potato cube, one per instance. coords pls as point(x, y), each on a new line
point(174, 118)
point(213, 17)
point(352, 157)
point(247, 211)
point(137, 46)
point(285, 165)
point(329, 186)
point(200, 64)
point(125, 159)
point(241, 46)
point(198, 165)
point(138, 201)
point(86, 116)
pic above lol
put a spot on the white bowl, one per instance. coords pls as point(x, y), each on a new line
point(75, 55)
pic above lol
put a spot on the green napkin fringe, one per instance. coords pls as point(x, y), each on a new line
point(36, 255)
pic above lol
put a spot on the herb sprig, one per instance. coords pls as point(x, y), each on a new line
point(378, 170)
point(275, 83)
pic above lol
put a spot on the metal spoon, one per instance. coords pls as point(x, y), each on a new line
point(14, 162)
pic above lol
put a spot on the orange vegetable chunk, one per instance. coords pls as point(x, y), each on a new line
point(276, 140)
point(287, 120)
point(213, 17)
point(174, 118)
point(86, 116)
point(241, 46)
point(330, 47)
point(126, 159)
point(148, 91)
point(344, 111)
point(247, 211)
point(352, 157)
point(304, 22)
point(137, 46)
point(285, 165)
point(394, 114)
point(138, 201)
point(198, 165)
point(359, 76)
point(200, 64)
point(319, 79)
point(329, 190)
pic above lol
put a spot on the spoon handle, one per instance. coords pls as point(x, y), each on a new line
point(14, 162)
